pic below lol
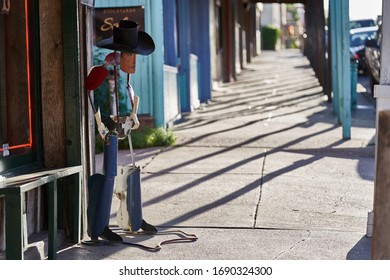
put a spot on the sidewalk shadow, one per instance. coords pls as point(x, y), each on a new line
point(361, 251)
point(333, 149)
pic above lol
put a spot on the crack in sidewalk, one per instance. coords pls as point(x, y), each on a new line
point(294, 245)
point(260, 190)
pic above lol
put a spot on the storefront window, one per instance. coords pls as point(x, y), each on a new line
point(17, 94)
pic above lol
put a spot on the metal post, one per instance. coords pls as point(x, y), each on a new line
point(341, 63)
point(184, 47)
point(76, 194)
point(345, 100)
point(52, 250)
point(354, 80)
point(334, 19)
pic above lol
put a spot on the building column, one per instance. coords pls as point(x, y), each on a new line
point(381, 227)
point(341, 70)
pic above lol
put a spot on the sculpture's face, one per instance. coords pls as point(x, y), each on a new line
point(128, 61)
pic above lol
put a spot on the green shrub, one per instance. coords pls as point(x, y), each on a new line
point(270, 35)
point(145, 138)
point(152, 137)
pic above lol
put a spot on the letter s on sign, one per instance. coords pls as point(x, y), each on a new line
point(107, 25)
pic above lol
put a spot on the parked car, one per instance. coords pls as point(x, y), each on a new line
point(361, 23)
point(358, 37)
point(373, 58)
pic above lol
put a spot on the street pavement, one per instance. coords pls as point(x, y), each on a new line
point(259, 172)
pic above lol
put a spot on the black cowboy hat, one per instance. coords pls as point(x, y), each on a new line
point(127, 38)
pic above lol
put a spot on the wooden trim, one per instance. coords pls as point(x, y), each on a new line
point(72, 83)
point(52, 75)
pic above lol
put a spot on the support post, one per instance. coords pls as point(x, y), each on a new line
point(334, 22)
point(381, 230)
point(341, 63)
point(76, 194)
point(52, 250)
point(184, 52)
point(14, 226)
point(381, 227)
point(345, 97)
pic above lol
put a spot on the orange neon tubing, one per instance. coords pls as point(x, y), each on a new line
point(28, 145)
point(28, 73)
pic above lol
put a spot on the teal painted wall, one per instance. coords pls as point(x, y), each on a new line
point(147, 81)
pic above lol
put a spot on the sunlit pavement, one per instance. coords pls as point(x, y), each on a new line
point(260, 172)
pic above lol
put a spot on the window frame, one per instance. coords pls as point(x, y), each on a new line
point(17, 164)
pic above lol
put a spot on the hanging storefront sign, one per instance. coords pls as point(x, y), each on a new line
point(106, 18)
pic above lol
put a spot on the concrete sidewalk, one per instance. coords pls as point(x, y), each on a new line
point(261, 172)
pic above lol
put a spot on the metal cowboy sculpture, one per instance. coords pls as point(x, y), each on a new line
point(127, 41)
